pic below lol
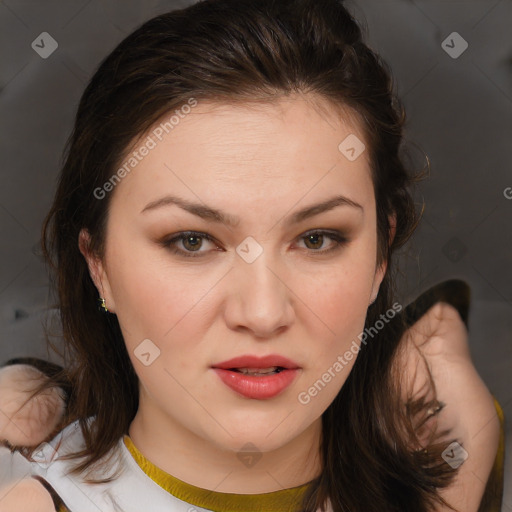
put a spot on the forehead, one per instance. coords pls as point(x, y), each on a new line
point(289, 148)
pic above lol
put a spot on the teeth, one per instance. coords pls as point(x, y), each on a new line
point(258, 371)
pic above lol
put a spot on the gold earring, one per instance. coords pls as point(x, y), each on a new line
point(102, 306)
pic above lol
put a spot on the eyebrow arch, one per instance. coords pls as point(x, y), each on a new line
point(214, 215)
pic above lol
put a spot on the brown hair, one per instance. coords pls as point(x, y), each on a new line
point(242, 51)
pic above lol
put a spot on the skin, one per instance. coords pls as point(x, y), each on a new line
point(259, 163)
point(26, 495)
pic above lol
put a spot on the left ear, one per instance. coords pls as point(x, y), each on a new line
point(381, 270)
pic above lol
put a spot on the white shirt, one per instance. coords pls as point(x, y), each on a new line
point(131, 491)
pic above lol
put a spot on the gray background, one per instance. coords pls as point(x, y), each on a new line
point(459, 114)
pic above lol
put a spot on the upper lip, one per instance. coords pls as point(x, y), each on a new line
point(249, 361)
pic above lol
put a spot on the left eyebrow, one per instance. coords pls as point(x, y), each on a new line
point(214, 215)
point(311, 211)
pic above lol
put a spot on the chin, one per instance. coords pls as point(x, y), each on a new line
point(265, 432)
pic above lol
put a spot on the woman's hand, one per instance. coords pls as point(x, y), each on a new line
point(22, 422)
point(441, 337)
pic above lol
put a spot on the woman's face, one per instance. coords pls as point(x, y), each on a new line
point(270, 281)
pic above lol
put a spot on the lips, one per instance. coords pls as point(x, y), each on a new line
point(249, 362)
point(259, 378)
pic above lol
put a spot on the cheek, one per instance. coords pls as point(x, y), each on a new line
point(342, 296)
point(338, 307)
point(156, 300)
point(343, 313)
point(341, 301)
point(341, 305)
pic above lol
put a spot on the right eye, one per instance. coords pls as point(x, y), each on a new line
point(190, 240)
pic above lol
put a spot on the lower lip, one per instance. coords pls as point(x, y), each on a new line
point(260, 388)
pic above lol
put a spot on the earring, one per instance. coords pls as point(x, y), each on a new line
point(102, 306)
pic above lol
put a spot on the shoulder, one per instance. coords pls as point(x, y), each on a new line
point(33, 480)
point(438, 342)
point(26, 495)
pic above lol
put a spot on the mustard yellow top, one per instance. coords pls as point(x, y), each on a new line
point(289, 500)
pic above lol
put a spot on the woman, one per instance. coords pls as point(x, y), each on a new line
point(233, 194)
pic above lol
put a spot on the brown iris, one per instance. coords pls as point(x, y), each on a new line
point(193, 246)
point(316, 236)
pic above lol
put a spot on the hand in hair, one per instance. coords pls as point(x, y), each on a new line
point(438, 342)
point(26, 420)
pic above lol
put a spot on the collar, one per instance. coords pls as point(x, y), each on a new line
point(286, 500)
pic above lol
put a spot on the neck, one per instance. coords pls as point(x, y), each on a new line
point(202, 462)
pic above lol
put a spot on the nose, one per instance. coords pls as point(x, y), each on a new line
point(260, 298)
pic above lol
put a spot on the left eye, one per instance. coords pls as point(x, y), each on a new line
point(316, 238)
point(191, 241)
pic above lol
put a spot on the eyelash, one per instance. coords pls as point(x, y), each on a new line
point(339, 239)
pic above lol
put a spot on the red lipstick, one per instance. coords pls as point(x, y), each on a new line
point(256, 377)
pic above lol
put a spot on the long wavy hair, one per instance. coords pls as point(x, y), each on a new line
point(244, 51)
